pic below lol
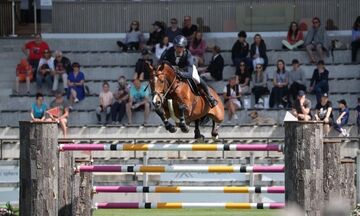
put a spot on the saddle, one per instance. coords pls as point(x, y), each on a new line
point(193, 86)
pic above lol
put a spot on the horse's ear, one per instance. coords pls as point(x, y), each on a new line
point(161, 66)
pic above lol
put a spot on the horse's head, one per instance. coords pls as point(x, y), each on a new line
point(163, 81)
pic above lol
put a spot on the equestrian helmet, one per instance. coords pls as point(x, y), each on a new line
point(180, 41)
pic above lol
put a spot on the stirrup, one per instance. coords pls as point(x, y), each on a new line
point(212, 101)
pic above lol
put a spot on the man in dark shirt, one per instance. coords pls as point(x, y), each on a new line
point(342, 120)
point(142, 70)
point(188, 29)
point(156, 36)
point(301, 108)
point(216, 66)
point(62, 69)
point(173, 30)
point(324, 112)
point(240, 51)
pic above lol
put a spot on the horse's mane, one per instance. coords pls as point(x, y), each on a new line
point(163, 63)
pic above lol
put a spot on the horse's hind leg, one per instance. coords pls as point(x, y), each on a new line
point(184, 128)
point(214, 131)
point(168, 126)
point(198, 135)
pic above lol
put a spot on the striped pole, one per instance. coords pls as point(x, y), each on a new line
point(181, 168)
point(175, 205)
point(183, 189)
point(170, 147)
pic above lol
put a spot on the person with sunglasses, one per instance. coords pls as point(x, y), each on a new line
point(133, 39)
point(173, 30)
point(62, 69)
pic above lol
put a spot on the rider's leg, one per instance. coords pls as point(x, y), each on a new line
point(205, 88)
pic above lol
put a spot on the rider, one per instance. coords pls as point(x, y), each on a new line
point(181, 57)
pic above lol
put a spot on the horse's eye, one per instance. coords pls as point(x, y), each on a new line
point(162, 81)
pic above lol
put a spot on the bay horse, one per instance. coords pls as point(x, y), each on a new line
point(174, 98)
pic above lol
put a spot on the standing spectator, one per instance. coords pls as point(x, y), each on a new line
point(38, 109)
point(243, 77)
point(76, 81)
point(173, 30)
point(156, 35)
point(105, 98)
point(301, 108)
point(45, 70)
point(232, 95)
point(62, 116)
point(358, 115)
point(161, 47)
point(188, 29)
point(355, 44)
point(23, 73)
point(201, 26)
point(295, 37)
point(323, 112)
point(316, 38)
point(133, 39)
point(258, 52)
point(138, 100)
point(259, 85)
point(319, 83)
point(34, 51)
point(279, 93)
point(343, 118)
point(297, 79)
point(216, 66)
point(240, 51)
point(62, 69)
point(197, 48)
point(142, 70)
point(121, 97)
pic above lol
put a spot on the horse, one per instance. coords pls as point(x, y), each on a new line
point(173, 97)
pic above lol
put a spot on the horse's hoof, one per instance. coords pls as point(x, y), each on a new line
point(172, 130)
point(185, 129)
point(169, 127)
point(199, 137)
point(215, 136)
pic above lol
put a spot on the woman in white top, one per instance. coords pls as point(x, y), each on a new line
point(161, 47)
point(232, 95)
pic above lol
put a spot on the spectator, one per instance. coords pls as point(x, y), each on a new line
point(105, 98)
point(200, 25)
point(330, 25)
point(279, 93)
point(76, 81)
point(319, 83)
point(142, 70)
point(34, 51)
point(355, 44)
point(232, 95)
point(62, 68)
point(121, 97)
point(324, 112)
point(216, 66)
point(133, 39)
point(188, 29)
point(301, 108)
point(161, 47)
point(297, 79)
point(173, 30)
point(343, 118)
point(45, 70)
point(38, 109)
point(295, 37)
point(240, 51)
point(316, 38)
point(259, 86)
point(23, 73)
point(156, 36)
point(138, 100)
point(258, 52)
point(197, 48)
point(358, 115)
point(243, 77)
point(62, 116)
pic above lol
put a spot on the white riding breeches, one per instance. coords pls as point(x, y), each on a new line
point(195, 75)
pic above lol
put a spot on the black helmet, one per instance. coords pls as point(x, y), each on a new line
point(180, 41)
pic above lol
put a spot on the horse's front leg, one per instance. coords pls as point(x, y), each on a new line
point(215, 130)
point(198, 135)
point(184, 128)
point(168, 126)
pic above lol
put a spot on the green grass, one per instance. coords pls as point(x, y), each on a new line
point(185, 212)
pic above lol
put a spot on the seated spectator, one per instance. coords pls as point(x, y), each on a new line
point(133, 39)
point(330, 25)
point(319, 83)
point(161, 47)
point(232, 95)
point(142, 70)
point(279, 93)
point(173, 30)
point(200, 25)
point(301, 107)
point(197, 48)
point(156, 36)
point(355, 44)
point(243, 77)
point(295, 37)
point(106, 99)
point(38, 109)
point(258, 52)
point(121, 97)
point(317, 39)
point(259, 86)
point(358, 115)
point(34, 51)
point(62, 116)
point(297, 79)
point(23, 73)
point(62, 69)
point(216, 66)
point(138, 100)
point(240, 51)
point(323, 112)
point(343, 118)
point(45, 70)
point(76, 80)
point(188, 29)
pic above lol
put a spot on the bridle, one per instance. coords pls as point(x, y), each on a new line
point(162, 95)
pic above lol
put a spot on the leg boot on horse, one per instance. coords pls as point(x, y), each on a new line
point(198, 135)
point(168, 126)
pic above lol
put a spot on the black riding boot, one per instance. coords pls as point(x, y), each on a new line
point(208, 96)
